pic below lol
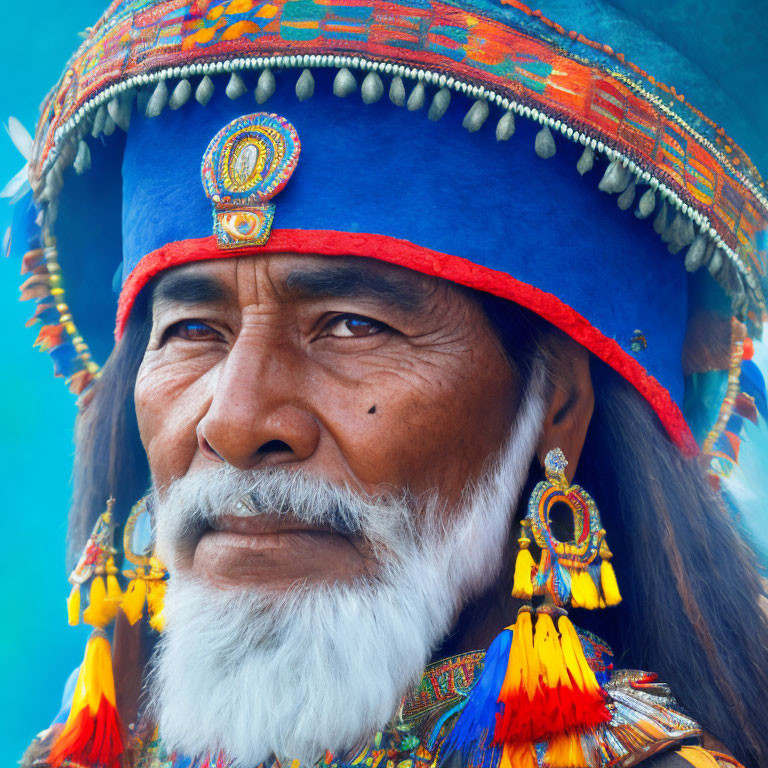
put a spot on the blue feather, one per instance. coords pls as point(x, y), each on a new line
point(65, 360)
point(477, 721)
point(753, 384)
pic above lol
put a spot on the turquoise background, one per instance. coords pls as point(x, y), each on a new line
point(37, 649)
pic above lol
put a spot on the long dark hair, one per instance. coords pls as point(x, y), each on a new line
point(691, 609)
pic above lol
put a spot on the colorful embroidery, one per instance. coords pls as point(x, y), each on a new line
point(612, 100)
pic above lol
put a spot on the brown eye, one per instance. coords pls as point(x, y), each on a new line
point(192, 330)
point(353, 326)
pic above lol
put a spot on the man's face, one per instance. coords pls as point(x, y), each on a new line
point(358, 372)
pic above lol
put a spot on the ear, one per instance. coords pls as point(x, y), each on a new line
point(572, 402)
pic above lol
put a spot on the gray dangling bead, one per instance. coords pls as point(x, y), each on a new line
point(235, 87)
point(505, 128)
point(372, 88)
point(545, 143)
point(660, 222)
point(344, 83)
point(627, 197)
point(119, 109)
point(476, 116)
point(265, 86)
point(679, 233)
point(305, 86)
point(715, 262)
point(752, 281)
point(615, 179)
point(696, 254)
point(204, 91)
point(109, 125)
point(586, 161)
point(82, 158)
point(180, 94)
point(417, 98)
point(647, 204)
point(142, 99)
point(158, 100)
point(739, 298)
point(397, 91)
point(98, 122)
point(440, 103)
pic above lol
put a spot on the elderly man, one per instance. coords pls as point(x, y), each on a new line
point(362, 358)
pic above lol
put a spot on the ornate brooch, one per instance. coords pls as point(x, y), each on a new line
point(246, 164)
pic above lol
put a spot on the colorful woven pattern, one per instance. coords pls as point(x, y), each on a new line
point(557, 72)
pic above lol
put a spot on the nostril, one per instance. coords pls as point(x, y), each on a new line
point(207, 449)
point(274, 446)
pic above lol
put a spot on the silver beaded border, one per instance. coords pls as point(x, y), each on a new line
point(62, 154)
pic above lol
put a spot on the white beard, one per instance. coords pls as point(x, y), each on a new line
point(253, 676)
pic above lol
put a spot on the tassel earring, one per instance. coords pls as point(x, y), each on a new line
point(148, 579)
point(92, 734)
point(537, 695)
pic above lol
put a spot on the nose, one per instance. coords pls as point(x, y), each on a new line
point(257, 417)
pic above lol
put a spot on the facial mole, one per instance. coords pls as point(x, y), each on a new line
point(372, 409)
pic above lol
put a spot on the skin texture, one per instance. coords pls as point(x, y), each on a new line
point(361, 372)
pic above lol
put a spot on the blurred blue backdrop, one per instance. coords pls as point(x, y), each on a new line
point(37, 649)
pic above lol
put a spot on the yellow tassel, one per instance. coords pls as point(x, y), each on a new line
point(155, 604)
point(522, 587)
point(609, 584)
point(522, 670)
point(133, 600)
point(573, 654)
point(546, 646)
point(565, 751)
point(73, 606)
point(531, 668)
point(114, 593)
point(584, 591)
point(100, 610)
point(98, 677)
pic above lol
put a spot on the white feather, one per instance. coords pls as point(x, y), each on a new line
point(20, 137)
point(18, 186)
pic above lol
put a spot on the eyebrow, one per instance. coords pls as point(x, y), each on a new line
point(188, 289)
point(354, 281)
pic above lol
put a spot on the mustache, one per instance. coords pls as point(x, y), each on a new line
point(339, 517)
point(193, 504)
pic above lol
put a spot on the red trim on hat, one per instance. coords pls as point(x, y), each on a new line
point(453, 268)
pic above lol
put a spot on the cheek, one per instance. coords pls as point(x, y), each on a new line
point(170, 401)
point(433, 427)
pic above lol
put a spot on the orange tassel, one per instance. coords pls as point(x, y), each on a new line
point(518, 756)
point(91, 736)
point(565, 751)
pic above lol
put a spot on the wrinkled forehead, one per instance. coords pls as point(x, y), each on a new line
point(239, 281)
